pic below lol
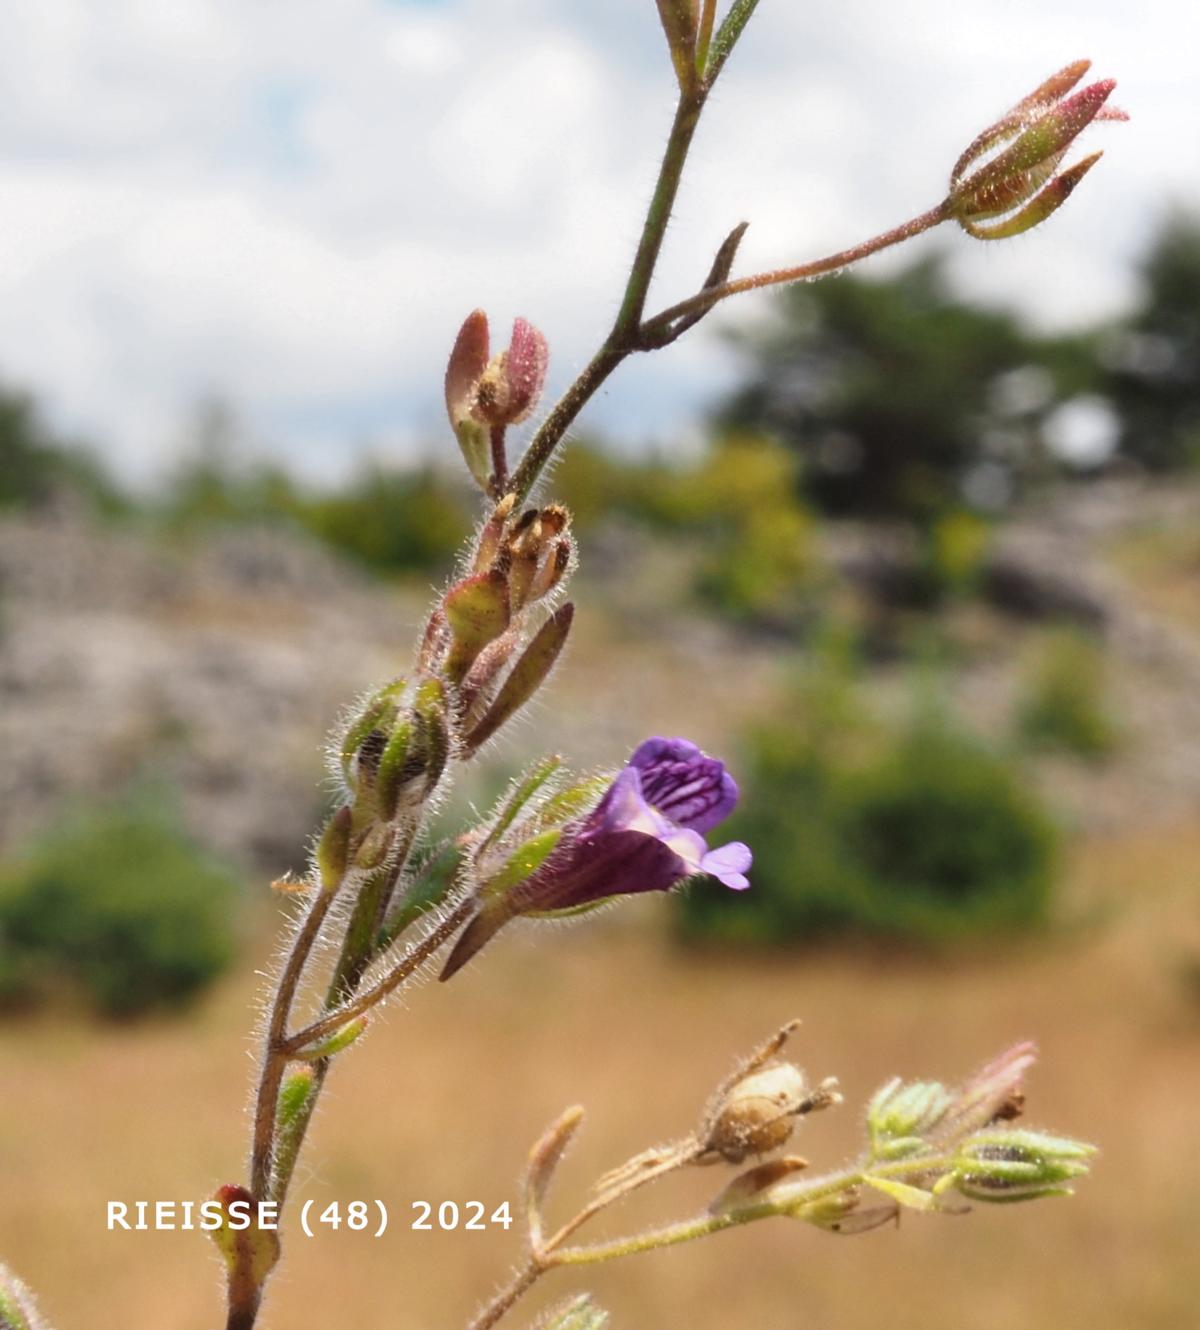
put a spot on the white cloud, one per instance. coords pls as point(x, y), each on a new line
point(295, 202)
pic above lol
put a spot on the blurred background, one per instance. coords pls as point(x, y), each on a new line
point(915, 549)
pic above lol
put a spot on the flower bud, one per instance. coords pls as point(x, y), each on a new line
point(376, 714)
point(294, 1095)
point(486, 393)
point(544, 1159)
point(901, 1115)
point(511, 385)
point(1016, 1165)
point(1017, 188)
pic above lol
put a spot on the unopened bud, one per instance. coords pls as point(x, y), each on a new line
point(1017, 188)
point(1016, 1165)
point(901, 1115)
point(511, 385)
point(486, 393)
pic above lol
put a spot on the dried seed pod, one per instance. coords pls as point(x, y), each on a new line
point(758, 1113)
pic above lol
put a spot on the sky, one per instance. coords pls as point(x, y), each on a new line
point(291, 205)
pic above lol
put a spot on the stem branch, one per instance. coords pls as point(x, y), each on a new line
point(411, 961)
point(703, 301)
point(275, 1056)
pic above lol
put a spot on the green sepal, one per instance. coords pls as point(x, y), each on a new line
point(477, 612)
point(378, 713)
point(912, 1198)
point(576, 799)
point(423, 889)
point(526, 676)
point(294, 1095)
point(396, 768)
point(333, 849)
point(475, 444)
point(523, 862)
point(525, 789)
point(433, 732)
point(340, 1039)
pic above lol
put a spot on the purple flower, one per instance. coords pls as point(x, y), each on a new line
point(645, 834)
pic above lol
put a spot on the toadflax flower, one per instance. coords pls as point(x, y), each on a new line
point(646, 833)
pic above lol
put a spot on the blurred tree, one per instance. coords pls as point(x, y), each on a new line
point(1152, 362)
point(903, 399)
point(393, 521)
point(35, 466)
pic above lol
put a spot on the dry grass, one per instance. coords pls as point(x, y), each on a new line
point(450, 1092)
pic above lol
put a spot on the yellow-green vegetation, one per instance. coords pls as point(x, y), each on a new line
point(1064, 702)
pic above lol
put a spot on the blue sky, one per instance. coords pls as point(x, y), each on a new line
point(293, 203)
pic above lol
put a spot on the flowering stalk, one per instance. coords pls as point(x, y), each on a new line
point(385, 908)
point(926, 1145)
point(1019, 182)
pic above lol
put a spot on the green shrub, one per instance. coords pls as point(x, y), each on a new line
point(1064, 704)
point(118, 904)
point(919, 832)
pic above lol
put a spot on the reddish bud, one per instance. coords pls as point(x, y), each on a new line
point(485, 393)
point(528, 356)
point(1018, 184)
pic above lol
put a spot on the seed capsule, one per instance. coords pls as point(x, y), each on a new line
point(759, 1112)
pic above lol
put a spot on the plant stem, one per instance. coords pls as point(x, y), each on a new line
point(503, 1302)
point(703, 301)
point(623, 339)
point(408, 965)
point(630, 333)
point(274, 1055)
point(654, 229)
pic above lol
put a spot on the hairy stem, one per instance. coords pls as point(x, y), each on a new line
point(703, 301)
point(623, 339)
point(654, 229)
point(507, 1298)
point(412, 961)
point(274, 1057)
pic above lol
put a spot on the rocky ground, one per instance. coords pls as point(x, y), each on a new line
point(218, 668)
